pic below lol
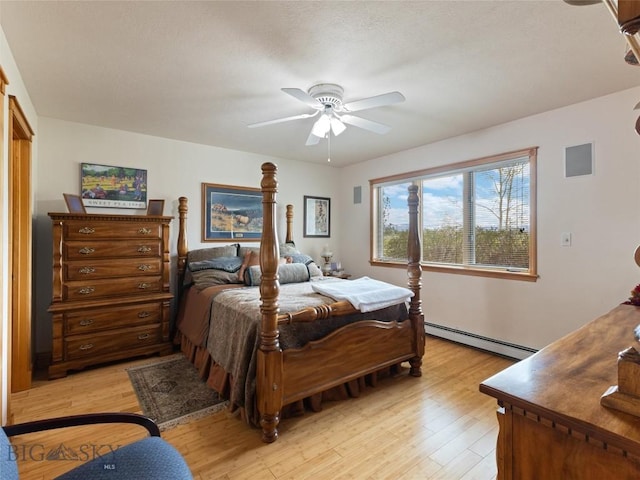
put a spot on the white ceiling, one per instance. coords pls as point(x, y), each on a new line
point(201, 71)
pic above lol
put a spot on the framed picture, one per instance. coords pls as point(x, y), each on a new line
point(155, 207)
point(74, 203)
point(115, 187)
point(317, 217)
point(231, 213)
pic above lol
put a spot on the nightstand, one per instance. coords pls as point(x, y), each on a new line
point(342, 275)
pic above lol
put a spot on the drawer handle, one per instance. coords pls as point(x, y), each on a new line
point(86, 322)
point(144, 249)
point(144, 314)
point(86, 346)
point(86, 290)
point(144, 267)
point(143, 336)
point(144, 231)
point(87, 250)
point(87, 230)
point(144, 286)
point(87, 270)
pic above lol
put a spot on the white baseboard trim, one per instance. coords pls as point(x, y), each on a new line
point(485, 343)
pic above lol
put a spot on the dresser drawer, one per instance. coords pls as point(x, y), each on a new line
point(80, 346)
point(109, 318)
point(90, 229)
point(75, 250)
point(98, 268)
point(87, 289)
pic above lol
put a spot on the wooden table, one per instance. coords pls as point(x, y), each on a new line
point(552, 426)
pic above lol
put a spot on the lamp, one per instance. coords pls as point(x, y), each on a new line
point(326, 255)
point(327, 122)
point(322, 125)
point(337, 127)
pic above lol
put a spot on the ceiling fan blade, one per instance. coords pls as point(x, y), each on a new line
point(372, 102)
point(285, 119)
point(365, 124)
point(304, 97)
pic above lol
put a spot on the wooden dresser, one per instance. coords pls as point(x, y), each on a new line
point(111, 296)
point(552, 425)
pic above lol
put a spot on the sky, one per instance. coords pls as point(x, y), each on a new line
point(443, 199)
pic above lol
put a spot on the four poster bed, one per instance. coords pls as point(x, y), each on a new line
point(278, 347)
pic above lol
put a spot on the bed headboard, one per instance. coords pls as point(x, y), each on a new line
point(183, 248)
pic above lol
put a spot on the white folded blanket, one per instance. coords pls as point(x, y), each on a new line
point(365, 294)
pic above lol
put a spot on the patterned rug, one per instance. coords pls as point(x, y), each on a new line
point(170, 392)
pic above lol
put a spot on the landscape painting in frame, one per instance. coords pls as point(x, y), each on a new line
point(231, 213)
point(114, 187)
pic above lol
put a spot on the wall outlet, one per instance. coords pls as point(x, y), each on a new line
point(565, 239)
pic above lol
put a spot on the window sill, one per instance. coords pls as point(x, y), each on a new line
point(461, 270)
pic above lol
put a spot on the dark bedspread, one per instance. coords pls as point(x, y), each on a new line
point(233, 338)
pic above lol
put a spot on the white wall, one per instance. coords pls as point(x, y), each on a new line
point(174, 169)
point(602, 211)
point(576, 283)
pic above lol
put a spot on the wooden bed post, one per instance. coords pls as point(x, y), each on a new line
point(289, 238)
point(414, 272)
point(182, 240)
point(269, 358)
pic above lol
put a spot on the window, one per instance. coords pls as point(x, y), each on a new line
point(477, 217)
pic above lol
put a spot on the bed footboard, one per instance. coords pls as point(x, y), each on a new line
point(344, 355)
point(347, 354)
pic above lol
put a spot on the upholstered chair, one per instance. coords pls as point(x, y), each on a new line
point(150, 458)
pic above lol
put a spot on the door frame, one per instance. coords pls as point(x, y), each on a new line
point(20, 248)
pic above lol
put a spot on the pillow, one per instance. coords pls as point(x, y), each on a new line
point(214, 252)
point(314, 270)
point(242, 251)
point(206, 278)
point(228, 264)
point(287, 273)
point(251, 258)
point(288, 248)
point(300, 258)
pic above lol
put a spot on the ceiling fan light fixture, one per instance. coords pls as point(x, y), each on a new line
point(337, 127)
point(322, 126)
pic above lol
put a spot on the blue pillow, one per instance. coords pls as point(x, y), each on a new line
point(287, 273)
point(300, 258)
point(226, 264)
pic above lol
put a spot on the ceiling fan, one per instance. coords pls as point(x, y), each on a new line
point(326, 100)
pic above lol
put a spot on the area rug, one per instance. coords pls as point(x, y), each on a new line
point(170, 391)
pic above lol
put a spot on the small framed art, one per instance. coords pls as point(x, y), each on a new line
point(74, 203)
point(155, 207)
point(317, 216)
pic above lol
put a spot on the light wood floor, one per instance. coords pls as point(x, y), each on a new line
point(435, 427)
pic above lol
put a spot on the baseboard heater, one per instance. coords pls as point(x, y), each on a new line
point(478, 341)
